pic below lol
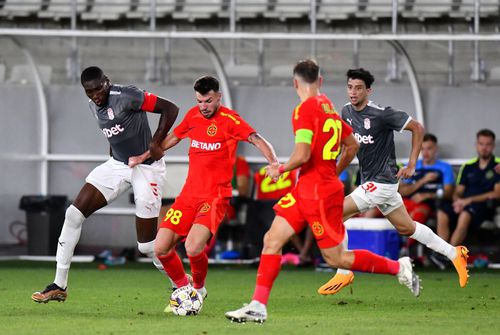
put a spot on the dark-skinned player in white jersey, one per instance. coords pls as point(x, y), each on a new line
point(373, 127)
point(120, 114)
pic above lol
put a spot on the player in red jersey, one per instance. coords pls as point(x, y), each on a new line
point(317, 200)
point(214, 131)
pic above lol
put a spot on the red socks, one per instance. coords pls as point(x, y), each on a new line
point(174, 268)
point(199, 269)
point(367, 261)
point(269, 268)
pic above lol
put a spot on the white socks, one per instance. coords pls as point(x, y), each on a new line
point(148, 250)
point(70, 234)
point(426, 236)
point(344, 244)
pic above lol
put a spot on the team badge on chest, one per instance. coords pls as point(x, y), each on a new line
point(111, 115)
point(212, 130)
point(367, 123)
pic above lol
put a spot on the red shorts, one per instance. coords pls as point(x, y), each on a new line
point(186, 211)
point(324, 216)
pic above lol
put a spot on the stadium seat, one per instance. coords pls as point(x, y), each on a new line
point(13, 8)
point(379, 8)
point(284, 9)
point(22, 74)
point(199, 9)
point(424, 9)
point(337, 9)
point(494, 74)
point(102, 10)
point(62, 9)
point(163, 7)
point(466, 9)
point(248, 8)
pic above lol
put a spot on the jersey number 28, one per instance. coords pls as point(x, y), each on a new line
point(336, 126)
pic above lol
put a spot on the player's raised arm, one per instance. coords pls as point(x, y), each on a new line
point(350, 148)
point(417, 136)
point(264, 146)
point(169, 112)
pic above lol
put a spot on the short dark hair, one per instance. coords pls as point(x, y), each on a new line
point(91, 73)
point(430, 137)
point(361, 74)
point(307, 69)
point(486, 132)
point(205, 84)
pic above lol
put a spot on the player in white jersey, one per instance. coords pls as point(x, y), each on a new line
point(373, 127)
point(120, 113)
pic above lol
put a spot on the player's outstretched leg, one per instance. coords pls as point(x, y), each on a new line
point(255, 311)
point(460, 263)
point(338, 282)
point(51, 292)
point(408, 277)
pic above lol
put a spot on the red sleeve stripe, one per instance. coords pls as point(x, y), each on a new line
point(149, 102)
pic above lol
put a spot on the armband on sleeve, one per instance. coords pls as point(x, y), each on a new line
point(303, 136)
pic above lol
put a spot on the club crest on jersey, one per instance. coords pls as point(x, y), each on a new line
point(111, 115)
point(317, 228)
point(205, 208)
point(367, 123)
point(212, 130)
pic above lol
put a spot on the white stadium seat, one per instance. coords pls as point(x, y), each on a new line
point(163, 7)
point(107, 10)
point(337, 9)
point(62, 9)
point(380, 8)
point(12, 8)
point(426, 9)
point(2, 73)
point(199, 9)
point(487, 8)
point(290, 8)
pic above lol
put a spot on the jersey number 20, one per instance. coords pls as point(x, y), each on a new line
point(336, 125)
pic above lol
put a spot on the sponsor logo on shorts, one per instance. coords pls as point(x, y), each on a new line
point(212, 130)
point(206, 146)
point(204, 208)
point(113, 131)
point(317, 228)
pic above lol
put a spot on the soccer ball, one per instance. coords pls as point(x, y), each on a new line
point(186, 301)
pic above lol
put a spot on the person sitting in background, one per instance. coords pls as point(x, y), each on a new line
point(432, 182)
point(477, 184)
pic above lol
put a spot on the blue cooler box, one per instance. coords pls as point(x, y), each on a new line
point(376, 235)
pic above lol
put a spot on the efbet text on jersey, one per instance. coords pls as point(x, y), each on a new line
point(113, 131)
point(205, 146)
point(365, 139)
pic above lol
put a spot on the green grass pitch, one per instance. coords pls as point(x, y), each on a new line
point(130, 299)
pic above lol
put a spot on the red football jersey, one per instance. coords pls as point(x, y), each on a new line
point(212, 151)
point(318, 177)
point(266, 188)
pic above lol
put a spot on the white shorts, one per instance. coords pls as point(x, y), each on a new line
point(112, 178)
point(383, 196)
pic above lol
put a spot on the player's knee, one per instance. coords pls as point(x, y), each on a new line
point(194, 248)
point(161, 250)
point(146, 248)
point(272, 244)
point(73, 217)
